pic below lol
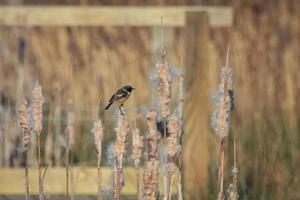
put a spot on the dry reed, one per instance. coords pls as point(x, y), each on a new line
point(152, 163)
point(221, 117)
point(25, 125)
point(164, 88)
point(122, 131)
point(180, 119)
point(137, 142)
point(70, 141)
point(233, 193)
point(98, 137)
point(37, 116)
point(173, 148)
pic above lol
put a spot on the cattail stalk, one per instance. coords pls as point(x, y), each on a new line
point(172, 150)
point(221, 117)
point(150, 177)
point(69, 144)
point(98, 137)
point(164, 87)
point(122, 131)
point(25, 125)
point(233, 194)
point(137, 142)
point(37, 103)
point(180, 119)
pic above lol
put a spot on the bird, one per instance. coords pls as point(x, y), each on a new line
point(120, 96)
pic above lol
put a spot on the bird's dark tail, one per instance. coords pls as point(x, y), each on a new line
point(107, 107)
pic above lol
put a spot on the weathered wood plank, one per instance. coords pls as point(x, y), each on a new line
point(84, 181)
point(196, 157)
point(109, 15)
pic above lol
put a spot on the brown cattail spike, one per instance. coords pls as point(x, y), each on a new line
point(98, 136)
point(24, 123)
point(122, 131)
point(152, 163)
point(137, 142)
point(164, 84)
point(37, 103)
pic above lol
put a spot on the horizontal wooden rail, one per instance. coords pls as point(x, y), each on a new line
point(84, 181)
point(109, 15)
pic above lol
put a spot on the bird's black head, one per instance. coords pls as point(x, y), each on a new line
point(128, 88)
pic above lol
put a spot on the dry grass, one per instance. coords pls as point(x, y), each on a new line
point(122, 131)
point(223, 98)
point(152, 163)
point(70, 142)
point(98, 137)
point(37, 118)
point(25, 125)
point(138, 144)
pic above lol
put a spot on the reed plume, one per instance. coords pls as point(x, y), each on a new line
point(98, 137)
point(150, 177)
point(122, 131)
point(37, 116)
point(221, 116)
point(25, 125)
point(70, 141)
point(137, 142)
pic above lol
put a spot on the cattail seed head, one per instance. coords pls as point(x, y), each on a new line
point(24, 123)
point(98, 136)
point(122, 131)
point(137, 142)
point(223, 100)
point(37, 108)
point(150, 177)
point(164, 84)
point(172, 140)
point(70, 131)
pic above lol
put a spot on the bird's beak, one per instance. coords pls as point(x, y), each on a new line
point(133, 88)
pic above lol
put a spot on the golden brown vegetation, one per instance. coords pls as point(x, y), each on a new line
point(64, 59)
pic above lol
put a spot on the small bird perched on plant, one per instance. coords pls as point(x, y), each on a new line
point(120, 96)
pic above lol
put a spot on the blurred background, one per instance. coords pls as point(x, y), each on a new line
point(76, 65)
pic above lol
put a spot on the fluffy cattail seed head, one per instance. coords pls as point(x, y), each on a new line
point(137, 142)
point(98, 136)
point(172, 140)
point(122, 131)
point(37, 108)
point(24, 123)
point(223, 100)
point(70, 131)
point(164, 84)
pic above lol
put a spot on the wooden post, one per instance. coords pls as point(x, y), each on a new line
point(196, 108)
